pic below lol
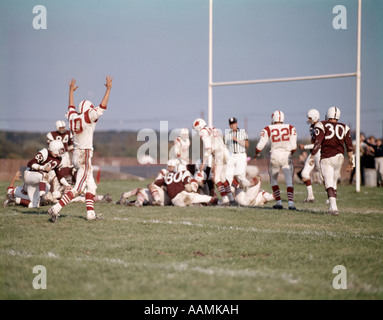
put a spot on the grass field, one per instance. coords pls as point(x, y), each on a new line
point(204, 253)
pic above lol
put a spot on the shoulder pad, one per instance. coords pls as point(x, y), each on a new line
point(319, 125)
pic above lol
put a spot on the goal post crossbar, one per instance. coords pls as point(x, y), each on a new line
point(357, 75)
point(328, 76)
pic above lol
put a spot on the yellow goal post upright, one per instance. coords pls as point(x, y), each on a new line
point(356, 74)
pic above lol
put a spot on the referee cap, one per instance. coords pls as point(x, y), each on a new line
point(232, 120)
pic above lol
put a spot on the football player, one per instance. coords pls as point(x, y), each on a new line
point(283, 141)
point(313, 117)
point(330, 138)
point(181, 147)
point(66, 137)
point(251, 196)
point(82, 124)
point(214, 146)
point(152, 195)
point(180, 188)
point(34, 186)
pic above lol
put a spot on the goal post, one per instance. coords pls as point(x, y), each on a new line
point(356, 74)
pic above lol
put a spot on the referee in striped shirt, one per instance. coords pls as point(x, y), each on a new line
point(237, 142)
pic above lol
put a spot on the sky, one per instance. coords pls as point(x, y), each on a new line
point(157, 53)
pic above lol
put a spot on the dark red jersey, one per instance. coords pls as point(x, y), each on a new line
point(42, 158)
point(331, 137)
point(175, 182)
point(66, 138)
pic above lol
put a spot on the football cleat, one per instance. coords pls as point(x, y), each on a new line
point(309, 200)
point(333, 212)
point(9, 199)
point(54, 215)
point(292, 207)
point(91, 215)
point(277, 206)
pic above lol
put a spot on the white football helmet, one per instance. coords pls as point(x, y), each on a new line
point(199, 124)
point(314, 115)
point(56, 147)
point(333, 113)
point(173, 163)
point(60, 124)
point(184, 134)
point(84, 106)
point(277, 116)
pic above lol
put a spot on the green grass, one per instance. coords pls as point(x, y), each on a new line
point(200, 253)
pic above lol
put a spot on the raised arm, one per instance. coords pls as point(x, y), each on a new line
point(72, 88)
point(108, 86)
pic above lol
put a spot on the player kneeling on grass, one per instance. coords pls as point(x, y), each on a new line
point(181, 187)
point(34, 186)
point(251, 194)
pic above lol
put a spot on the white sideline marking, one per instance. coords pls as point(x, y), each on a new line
point(173, 267)
point(252, 229)
point(184, 267)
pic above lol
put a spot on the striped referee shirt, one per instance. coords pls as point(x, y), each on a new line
point(234, 146)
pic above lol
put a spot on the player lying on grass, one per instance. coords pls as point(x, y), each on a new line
point(252, 195)
point(181, 188)
point(151, 195)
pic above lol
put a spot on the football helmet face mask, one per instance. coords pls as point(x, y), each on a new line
point(60, 126)
point(333, 113)
point(199, 124)
point(314, 115)
point(84, 106)
point(277, 116)
point(56, 147)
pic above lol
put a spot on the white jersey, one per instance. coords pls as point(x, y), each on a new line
point(282, 137)
point(212, 140)
point(83, 126)
point(181, 150)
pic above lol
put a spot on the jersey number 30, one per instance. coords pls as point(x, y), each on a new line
point(337, 130)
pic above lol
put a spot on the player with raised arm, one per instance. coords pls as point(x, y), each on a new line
point(330, 138)
point(313, 117)
point(283, 141)
point(82, 124)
